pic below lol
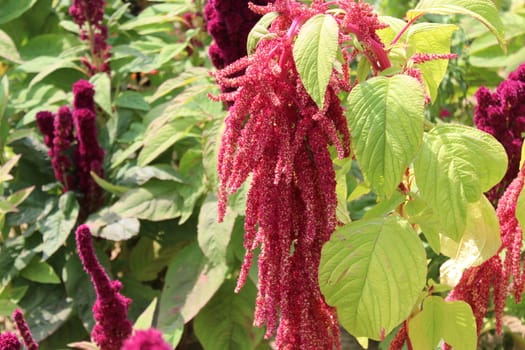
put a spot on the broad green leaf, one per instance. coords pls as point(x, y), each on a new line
point(12, 9)
point(19, 196)
point(40, 271)
point(141, 175)
point(107, 186)
point(132, 100)
point(431, 38)
point(481, 239)
point(57, 226)
point(191, 281)
point(260, 31)
point(188, 77)
point(102, 85)
point(110, 225)
point(8, 49)
point(439, 320)
point(145, 320)
point(372, 272)
point(56, 64)
point(385, 117)
point(7, 167)
point(159, 140)
point(214, 236)
point(226, 321)
point(482, 10)
point(455, 165)
point(314, 53)
point(156, 200)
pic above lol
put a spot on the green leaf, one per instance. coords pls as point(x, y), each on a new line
point(482, 10)
point(19, 196)
point(156, 200)
point(110, 225)
point(12, 9)
point(4, 95)
point(14, 257)
point(145, 320)
point(214, 236)
point(158, 140)
point(141, 175)
point(260, 31)
point(41, 272)
point(8, 48)
point(481, 239)
point(191, 281)
point(132, 100)
point(455, 165)
point(385, 117)
point(314, 53)
point(102, 85)
point(226, 321)
point(451, 321)
point(57, 226)
point(146, 261)
point(109, 187)
point(372, 272)
point(7, 167)
point(432, 38)
point(188, 77)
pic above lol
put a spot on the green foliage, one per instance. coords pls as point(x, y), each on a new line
point(314, 53)
point(385, 117)
point(373, 271)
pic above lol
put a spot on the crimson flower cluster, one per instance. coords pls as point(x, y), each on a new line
point(275, 132)
point(229, 22)
point(150, 339)
point(110, 311)
point(89, 15)
point(502, 114)
point(9, 341)
point(71, 137)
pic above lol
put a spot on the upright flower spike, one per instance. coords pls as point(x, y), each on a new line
point(89, 15)
point(45, 121)
point(9, 341)
point(229, 22)
point(150, 339)
point(23, 329)
point(63, 137)
point(502, 114)
point(277, 133)
point(110, 311)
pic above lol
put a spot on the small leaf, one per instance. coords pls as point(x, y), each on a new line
point(6, 168)
point(482, 10)
point(145, 320)
point(12, 9)
point(260, 31)
point(115, 189)
point(226, 321)
point(481, 239)
point(455, 165)
point(132, 100)
point(8, 49)
point(19, 196)
point(188, 77)
point(372, 272)
point(191, 281)
point(213, 236)
point(57, 226)
point(41, 272)
point(314, 53)
point(451, 321)
point(385, 117)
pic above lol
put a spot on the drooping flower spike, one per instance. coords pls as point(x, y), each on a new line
point(110, 311)
point(278, 134)
point(23, 329)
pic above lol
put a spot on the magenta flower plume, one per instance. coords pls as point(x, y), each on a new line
point(502, 114)
point(110, 311)
point(23, 329)
point(9, 341)
point(89, 15)
point(45, 121)
point(277, 133)
point(63, 137)
point(229, 22)
point(150, 339)
point(84, 95)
